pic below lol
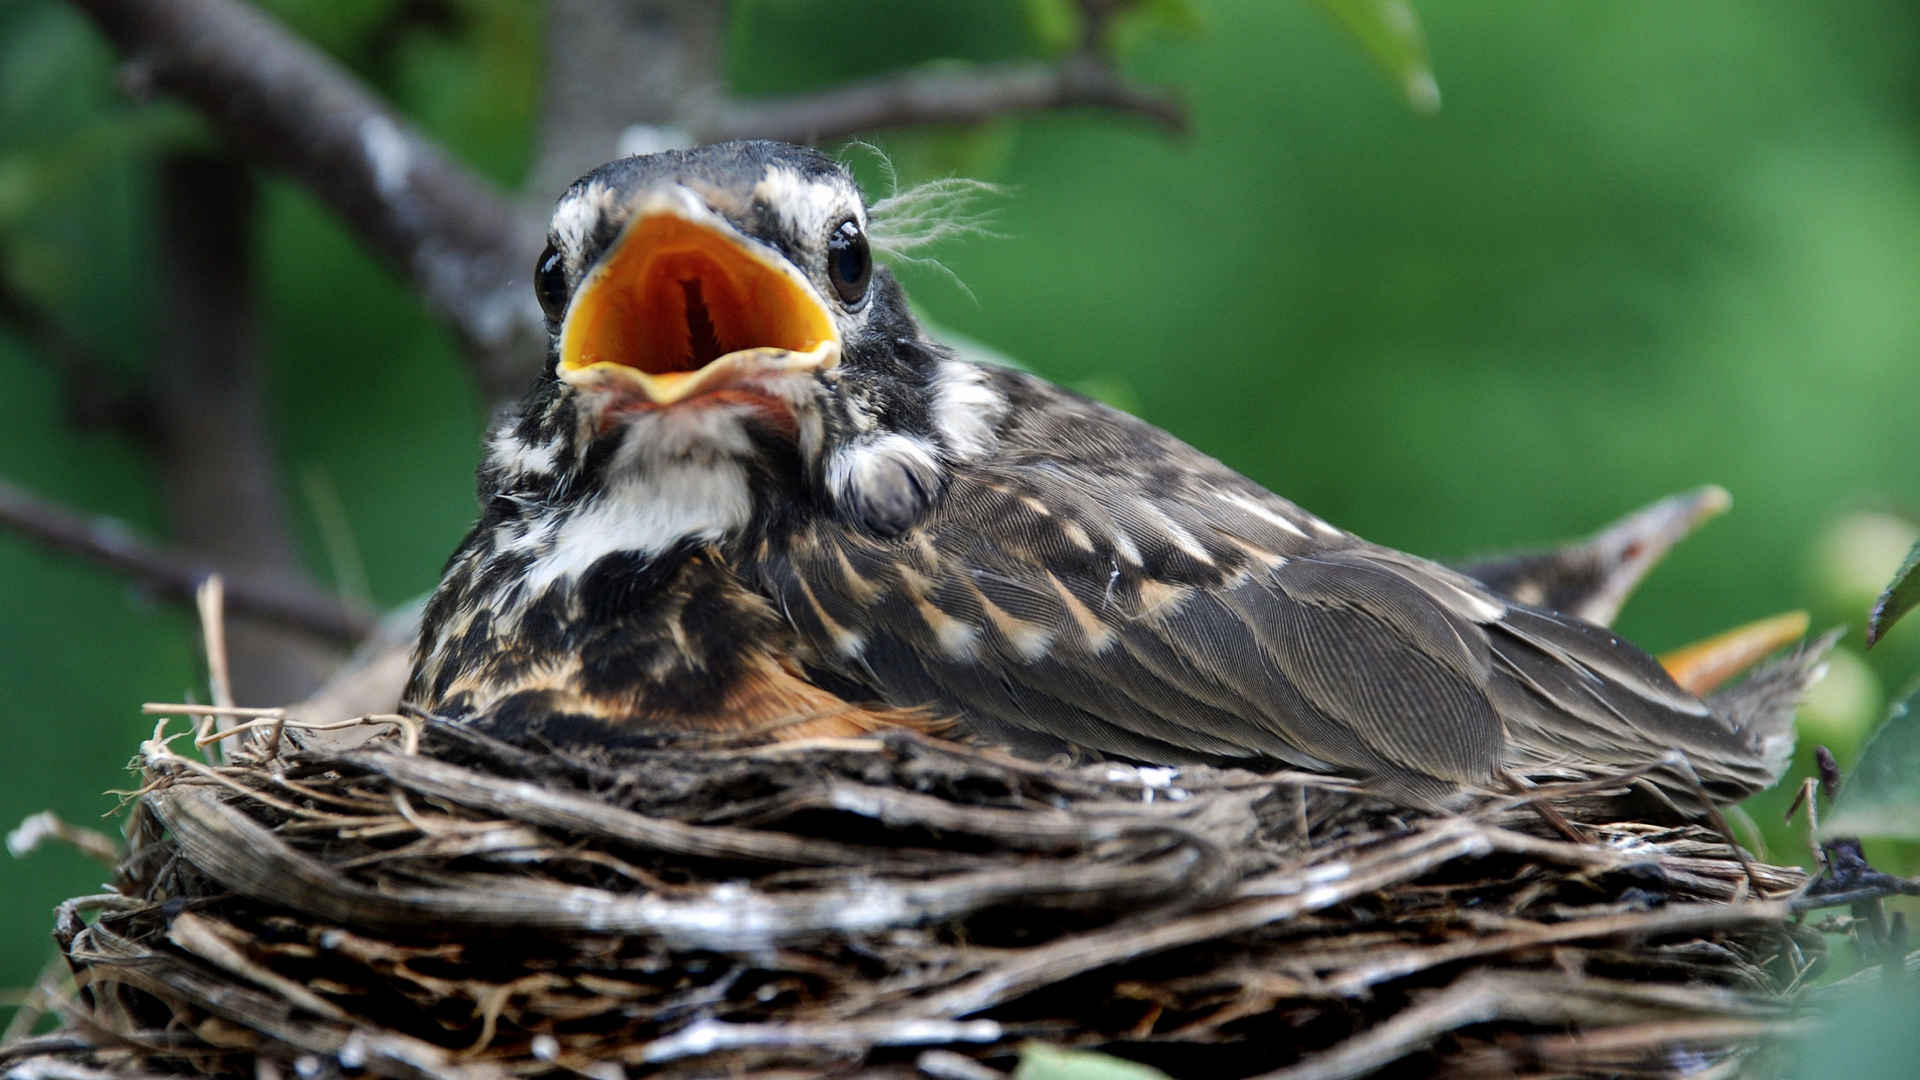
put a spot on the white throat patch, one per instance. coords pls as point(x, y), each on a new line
point(677, 476)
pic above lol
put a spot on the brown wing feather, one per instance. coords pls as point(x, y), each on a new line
point(1198, 624)
point(1096, 583)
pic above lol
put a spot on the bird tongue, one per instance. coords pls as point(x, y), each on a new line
point(703, 341)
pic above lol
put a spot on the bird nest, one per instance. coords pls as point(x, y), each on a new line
point(436, 902)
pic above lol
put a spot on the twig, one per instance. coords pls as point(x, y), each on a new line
point(211, 599)
point(447, 230)
point(46, 825)
point(707, 1036)
point(940, 96)
point(274, 721)
point(1471, 1000)
point(1879, 887)
point(1829, 770)
point(176, 575)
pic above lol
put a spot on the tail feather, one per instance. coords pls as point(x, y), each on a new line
point(1761, 706)
point(1580, 702)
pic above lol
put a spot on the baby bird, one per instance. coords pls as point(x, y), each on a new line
point(749, 496)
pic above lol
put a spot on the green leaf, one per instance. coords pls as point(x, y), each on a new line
point(1865, 1033)
point(1882, 797)
point(1390, 33)
point(1055, 24)
point(1903, 592)
point(1156, 20)
point(1038, 1061)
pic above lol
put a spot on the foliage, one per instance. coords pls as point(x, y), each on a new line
point(1060, 25)
point(1882, 796)
point(1902, 594)
point(1870, 1035)
point(1390, 33)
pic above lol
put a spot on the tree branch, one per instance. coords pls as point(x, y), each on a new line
point(447, 230)
point(611, 67)
point(216, 457)
point(175, 574)
point(940, 96)
point(452, 234)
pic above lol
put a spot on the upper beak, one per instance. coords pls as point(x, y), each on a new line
point(684, 304)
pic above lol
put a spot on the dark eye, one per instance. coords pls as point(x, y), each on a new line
point(848, 264)
point(550, 283)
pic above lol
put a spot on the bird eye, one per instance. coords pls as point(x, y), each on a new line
point(550, 283)
point(848, 263)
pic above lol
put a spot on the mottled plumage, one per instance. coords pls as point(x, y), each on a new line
point(750, 495)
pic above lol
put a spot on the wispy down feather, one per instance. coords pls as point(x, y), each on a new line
point(907, 222)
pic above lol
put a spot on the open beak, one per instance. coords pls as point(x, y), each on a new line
point(683, 304)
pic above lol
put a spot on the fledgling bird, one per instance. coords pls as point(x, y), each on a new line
point(749, 495)
point(1590, 578)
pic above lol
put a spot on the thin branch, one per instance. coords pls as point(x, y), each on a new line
point(37, 829)
point(175, 574)
point(452, 234)
point(447, 230)
point(940, 96)
point(611, 67)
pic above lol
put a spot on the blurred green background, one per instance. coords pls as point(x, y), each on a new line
point(1643, 246)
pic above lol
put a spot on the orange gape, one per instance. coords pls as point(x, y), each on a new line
point(1707, 665)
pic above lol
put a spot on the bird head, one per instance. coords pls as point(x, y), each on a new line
point(724, 301)
point(725, 364)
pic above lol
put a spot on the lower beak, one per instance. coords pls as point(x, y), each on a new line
point(683, 305)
